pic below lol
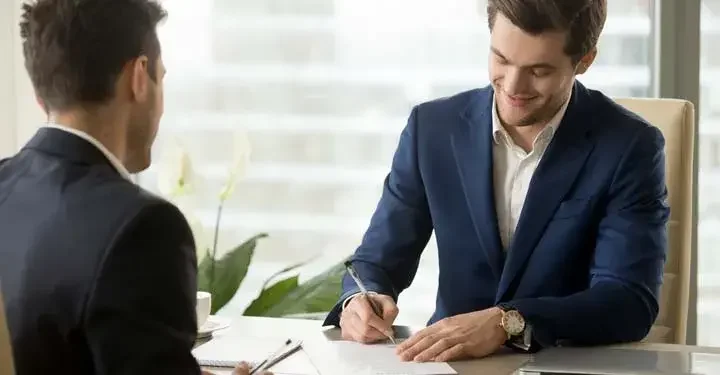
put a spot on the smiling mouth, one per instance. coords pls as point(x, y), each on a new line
point(519, 101)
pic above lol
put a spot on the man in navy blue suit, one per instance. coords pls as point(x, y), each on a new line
point(548, 202)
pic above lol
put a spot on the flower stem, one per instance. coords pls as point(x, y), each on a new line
point(215, 241)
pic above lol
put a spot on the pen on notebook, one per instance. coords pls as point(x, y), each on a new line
point(277, 353)
point(376, 309)
point(286, 353)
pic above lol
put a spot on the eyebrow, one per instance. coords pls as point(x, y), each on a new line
point(532, 66)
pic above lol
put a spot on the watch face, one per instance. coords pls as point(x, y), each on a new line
point(513, 323)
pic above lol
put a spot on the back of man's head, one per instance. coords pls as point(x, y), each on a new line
point(76, 49)
point(583, 20)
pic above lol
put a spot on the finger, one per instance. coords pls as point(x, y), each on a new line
point(359, 331)
point(417, 337)
point(420, 346)
point(455, 353)
point(388, 307)
point(242, 369)
point(365, 312)
point(435, 349)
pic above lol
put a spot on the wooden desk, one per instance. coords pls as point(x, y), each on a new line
point(503, 363)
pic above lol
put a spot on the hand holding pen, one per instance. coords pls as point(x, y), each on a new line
point(367, 317)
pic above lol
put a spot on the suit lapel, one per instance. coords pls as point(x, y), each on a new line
point(562, 162)
point(472, 148)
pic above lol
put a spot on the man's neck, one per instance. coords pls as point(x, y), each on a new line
point(106, 129)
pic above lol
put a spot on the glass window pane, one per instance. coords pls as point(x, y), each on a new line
point(708, 303)
point(323, 88)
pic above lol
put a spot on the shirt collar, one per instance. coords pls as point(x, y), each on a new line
point(114, 161)
point(548, 131)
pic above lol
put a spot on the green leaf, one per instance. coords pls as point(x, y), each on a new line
point(224, 279)
point(318, 294)
point(271, 296)
point(203, 275)
point(284, 270)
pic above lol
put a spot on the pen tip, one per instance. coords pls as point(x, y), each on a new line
point(288, 341)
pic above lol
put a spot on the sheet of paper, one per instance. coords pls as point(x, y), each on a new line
point(350, 358)
point(232, 349)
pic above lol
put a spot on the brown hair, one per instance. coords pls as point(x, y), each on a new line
point(583, 20)
point(75, 49)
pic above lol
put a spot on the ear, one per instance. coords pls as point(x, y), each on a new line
point(586, 61)
point(139, 78)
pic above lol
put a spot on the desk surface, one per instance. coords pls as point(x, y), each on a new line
point(503, 363)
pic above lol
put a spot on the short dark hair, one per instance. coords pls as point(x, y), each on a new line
point(75, 49)
point(583, 20)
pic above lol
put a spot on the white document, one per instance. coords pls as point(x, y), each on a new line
point(351, 358)
point(227, 351)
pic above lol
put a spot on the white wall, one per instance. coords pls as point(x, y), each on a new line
point(19, 113)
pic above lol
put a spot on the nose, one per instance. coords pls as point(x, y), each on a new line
point(515, 81)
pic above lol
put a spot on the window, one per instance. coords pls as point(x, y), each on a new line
point(708, 302)
point(20, 115)
point(323, 88)
point(7, 88)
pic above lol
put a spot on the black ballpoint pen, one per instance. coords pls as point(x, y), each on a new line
point(285, 351)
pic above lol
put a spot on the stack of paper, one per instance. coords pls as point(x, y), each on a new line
point(350, 358)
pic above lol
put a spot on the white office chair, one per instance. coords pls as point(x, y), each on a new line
point(676, 119)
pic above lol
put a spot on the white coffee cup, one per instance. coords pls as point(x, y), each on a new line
point(202, 307)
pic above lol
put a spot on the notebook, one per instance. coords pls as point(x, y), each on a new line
point(229, 351)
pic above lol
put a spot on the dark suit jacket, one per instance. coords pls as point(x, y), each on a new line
point(99, 276)
point(586, 262)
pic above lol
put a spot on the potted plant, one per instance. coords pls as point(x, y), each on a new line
point(222, 275)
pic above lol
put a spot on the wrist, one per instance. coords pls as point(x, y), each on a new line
point(519, 331)
point(511, 321)
point(498, 332)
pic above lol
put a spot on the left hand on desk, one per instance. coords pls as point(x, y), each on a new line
point(472, 335)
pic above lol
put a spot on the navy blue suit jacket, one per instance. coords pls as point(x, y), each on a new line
point(586, 262)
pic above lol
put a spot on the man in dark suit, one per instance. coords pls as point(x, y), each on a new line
point(99, 276)
point(547, 199)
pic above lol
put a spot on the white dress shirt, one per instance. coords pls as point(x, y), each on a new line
point(114, 161)
point(513, 169)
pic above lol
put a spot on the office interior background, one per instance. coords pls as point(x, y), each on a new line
point(322, 89)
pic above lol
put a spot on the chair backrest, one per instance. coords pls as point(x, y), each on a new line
point(6, 358)
point(676, 119)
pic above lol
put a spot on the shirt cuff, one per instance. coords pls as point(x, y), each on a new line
point(523, 342)
point(347, 300)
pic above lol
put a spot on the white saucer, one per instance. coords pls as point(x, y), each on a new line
point(212, 324)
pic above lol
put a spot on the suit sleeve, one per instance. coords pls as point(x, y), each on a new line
point(388, 256)
point(140, 317)
point(626, 273)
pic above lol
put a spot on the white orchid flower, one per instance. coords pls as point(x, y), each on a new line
point(240, 162)
point(174, 171)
